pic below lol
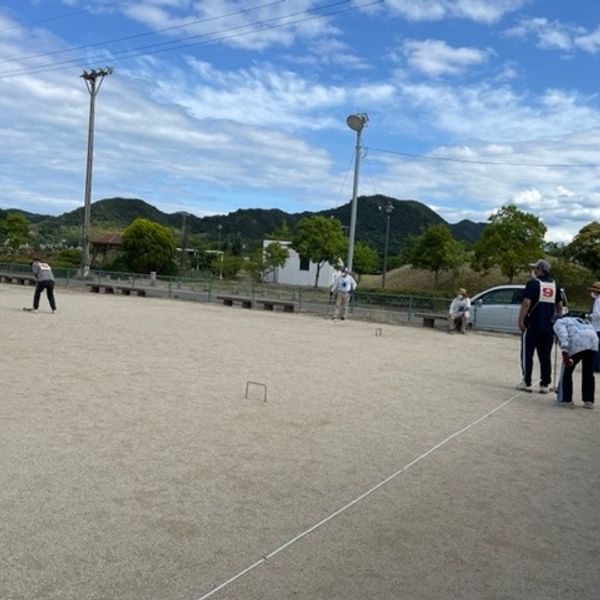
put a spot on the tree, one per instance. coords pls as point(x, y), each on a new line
point(435, 250)
point(14, 230)
point(365, 259)
point(275, 256)
point(226, 265)
point(149, 246)
point(585, 247)
point(511, 240)
point(281, 232)
point(321, 240)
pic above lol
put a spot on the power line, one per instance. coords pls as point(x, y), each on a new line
point(486, 162)
point(219, 36)
point(58, 17)
point(142, 34)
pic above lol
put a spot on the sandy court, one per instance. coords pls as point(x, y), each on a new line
point(133, 467)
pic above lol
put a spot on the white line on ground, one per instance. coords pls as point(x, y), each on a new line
point(356, 500)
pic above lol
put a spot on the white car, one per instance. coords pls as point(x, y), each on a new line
point(497, 308)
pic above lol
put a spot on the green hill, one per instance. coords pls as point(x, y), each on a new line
point(408, 218)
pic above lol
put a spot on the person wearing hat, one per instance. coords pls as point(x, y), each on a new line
point(578, 343)
point(541, 301)
point(343, 286)
point(594, 317)
point(458, 313)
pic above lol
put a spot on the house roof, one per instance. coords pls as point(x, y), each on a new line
point(108, 239)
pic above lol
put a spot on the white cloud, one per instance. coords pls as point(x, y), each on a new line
point(590, 42)
point(256, 27)
point(555, 35)
point(482, 11)
point(436, 58)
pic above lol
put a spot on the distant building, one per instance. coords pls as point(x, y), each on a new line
point(299, 270)
point(105, 246)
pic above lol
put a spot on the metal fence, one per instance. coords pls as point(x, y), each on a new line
point(380, 307)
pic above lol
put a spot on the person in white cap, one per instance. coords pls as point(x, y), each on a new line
point(458, 313)
point(594, 317)
point(342, 287)
point(541, 301)
point(578, 343)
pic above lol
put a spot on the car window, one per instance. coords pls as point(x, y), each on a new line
point(498, 297)
point(518, 296)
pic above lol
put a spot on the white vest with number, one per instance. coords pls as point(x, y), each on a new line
point(547, 292)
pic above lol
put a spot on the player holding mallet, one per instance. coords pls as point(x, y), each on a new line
point(45, 281)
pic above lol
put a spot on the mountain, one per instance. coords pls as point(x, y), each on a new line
point(407, 218)
point(31, 217)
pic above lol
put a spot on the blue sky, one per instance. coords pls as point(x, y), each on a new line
point(216, 105)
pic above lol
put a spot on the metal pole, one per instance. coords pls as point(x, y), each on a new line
point(385, 251)
point(354, 203)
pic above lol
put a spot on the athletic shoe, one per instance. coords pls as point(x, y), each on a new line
point(544, 389)
point(588, 404)
point(564, 404)
point(524, 387)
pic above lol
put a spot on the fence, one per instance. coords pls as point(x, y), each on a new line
point(375, 306)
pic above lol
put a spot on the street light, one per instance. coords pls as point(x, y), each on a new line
point(388, 208)
point(356, 122)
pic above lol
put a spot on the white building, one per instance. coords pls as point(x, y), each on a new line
point(299, 270)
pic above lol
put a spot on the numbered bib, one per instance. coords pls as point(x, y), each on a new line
point(547, 292)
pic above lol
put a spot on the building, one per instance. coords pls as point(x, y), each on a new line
point(299, 270)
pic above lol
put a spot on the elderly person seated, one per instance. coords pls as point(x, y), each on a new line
point(458, 314)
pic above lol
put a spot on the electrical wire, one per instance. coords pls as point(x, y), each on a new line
point(151, 49)
point(487, 162)
point(58, 17)
point(142, 34)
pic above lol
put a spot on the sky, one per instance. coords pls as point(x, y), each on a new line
point(217, 105)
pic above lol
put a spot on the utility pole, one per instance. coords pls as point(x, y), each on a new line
point(184, 216)
point(388, 208)
point(93, 80)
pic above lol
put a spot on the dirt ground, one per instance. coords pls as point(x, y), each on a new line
point(134, 467)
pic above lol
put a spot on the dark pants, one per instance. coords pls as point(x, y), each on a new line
point(540, 342)
point(39, 288)
point(588, 384)
point(597, 357)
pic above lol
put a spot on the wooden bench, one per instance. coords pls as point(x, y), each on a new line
point(429, 319)
point(270, 303)
point(22, 279)
point(230, 300)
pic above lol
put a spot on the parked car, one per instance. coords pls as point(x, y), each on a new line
point(497, 308)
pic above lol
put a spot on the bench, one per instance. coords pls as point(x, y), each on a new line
point(429, 319)
point(108, 288)
point(127, 291)
point(229, 300)
point(22, 279)
point(270, 303)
